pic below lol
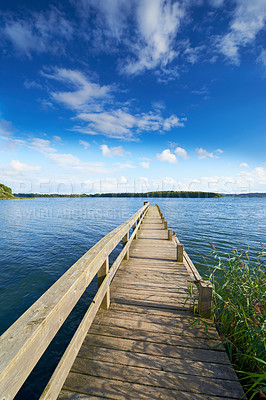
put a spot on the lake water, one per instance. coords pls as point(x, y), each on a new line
point(41, 238)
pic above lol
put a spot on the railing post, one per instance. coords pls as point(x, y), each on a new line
point(179, 252)
point(165, 224)
point(134, 227)
point(170, 234)
point(103, 271)
point(205, 298)
point(125, 240)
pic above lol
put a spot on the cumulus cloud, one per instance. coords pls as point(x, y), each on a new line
point(202, 153)
point(166, 155)
point(244, 165)
point(112, 151)
point(179, 151)
point(248, 19)
point(37, 32)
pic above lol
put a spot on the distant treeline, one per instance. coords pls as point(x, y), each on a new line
point(245, 195)
point(163, 194)
point(33, 195)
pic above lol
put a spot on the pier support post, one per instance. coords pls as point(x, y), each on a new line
point(125, 240)
point(179, 252)
point(134, 227)
point(103, 271)
point(170, 234)
point(205, 298)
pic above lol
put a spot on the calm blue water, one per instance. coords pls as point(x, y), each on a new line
point(42, 238)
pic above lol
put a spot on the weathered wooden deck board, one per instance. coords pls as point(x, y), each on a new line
point(144, 346)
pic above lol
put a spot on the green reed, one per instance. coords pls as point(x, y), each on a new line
point(239, 311)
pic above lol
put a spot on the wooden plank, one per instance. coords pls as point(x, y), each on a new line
point(148, 311)
point(135, 333)
point(176, 321)
point(114, 389)
point(177, 365)
point(171, 351)
point(158, 379)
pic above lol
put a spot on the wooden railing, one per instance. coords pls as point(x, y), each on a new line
point(23, 344)
point(204, 286)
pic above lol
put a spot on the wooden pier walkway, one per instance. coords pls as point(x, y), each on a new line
point(144, 346)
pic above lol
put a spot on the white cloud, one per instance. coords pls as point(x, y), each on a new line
point(6, 128)
point(262, 57)
point(112, 151)
point(220, 151)
point(168, 180)
point(126, 165)
point(70, 161)
point(145, 164)
point(260, 174)
point(172, 122)
point(16, 167)
point(158, 23)
point(244, 165)
point(166, 155)
point(248, 19)
point(84, 144)
point(84, 94)
point(111, 16)
point(202, 153)
point(179, 151)
point(38, 32)
point(120, 124)
point(42, 145)
point(57, 138)
point(94, 105)
point(216, 3)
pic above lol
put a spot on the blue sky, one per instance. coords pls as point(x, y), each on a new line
point(133, 95)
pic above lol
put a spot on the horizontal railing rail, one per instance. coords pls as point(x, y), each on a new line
point(23, 344)
point(205, 287)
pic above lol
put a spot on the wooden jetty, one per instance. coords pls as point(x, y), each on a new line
point(139, 340)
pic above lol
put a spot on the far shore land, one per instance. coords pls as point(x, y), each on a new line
point(6, 193)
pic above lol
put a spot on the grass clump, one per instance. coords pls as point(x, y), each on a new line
point(240, 315)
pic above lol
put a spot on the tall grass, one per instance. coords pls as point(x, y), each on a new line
point(239, 311)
